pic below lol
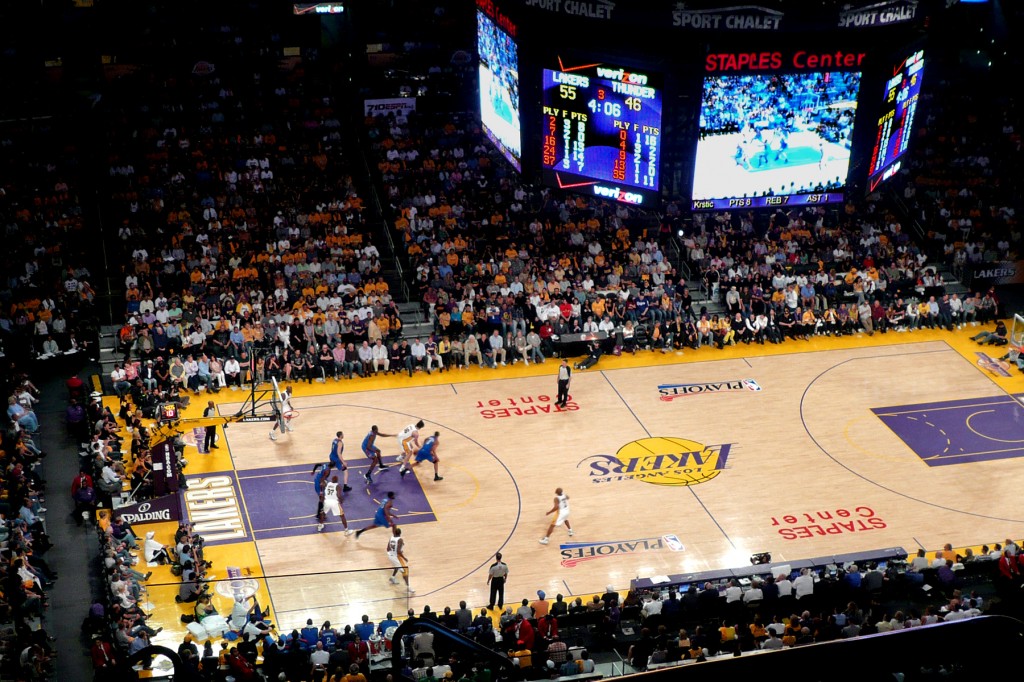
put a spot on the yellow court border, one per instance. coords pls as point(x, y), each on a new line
point(245, 554)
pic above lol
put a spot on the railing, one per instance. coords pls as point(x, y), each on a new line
point(704, 288)
point(253, 584)
point(963, 273)
point(682, 266)
point(955, 648)
point(705, 291)
point(912, 220)
point(619, 669)
point(468, 649)
point(960, 272)
point(385, 225)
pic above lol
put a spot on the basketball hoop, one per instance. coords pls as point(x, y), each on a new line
point(290, 415)
point(1016, 337)
point(994, 365)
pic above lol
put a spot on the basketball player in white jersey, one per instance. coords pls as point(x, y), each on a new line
point(330, 501)
point(396, 555)
point(281, 423)
point(409, 441)
point(561, 506)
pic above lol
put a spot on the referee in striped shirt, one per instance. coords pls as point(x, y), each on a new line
point(564, 374)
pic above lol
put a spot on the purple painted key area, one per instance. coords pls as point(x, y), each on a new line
point(959, 431)
point(281, 502)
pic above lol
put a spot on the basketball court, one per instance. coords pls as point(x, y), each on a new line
point(847, 445)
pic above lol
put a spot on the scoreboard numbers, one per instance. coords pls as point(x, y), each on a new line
point(601, 131)
point(896, 122)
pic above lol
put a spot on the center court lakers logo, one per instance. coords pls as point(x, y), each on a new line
point(660, 461)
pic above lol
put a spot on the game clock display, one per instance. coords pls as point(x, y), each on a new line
point(601, 131)
point(896, 122)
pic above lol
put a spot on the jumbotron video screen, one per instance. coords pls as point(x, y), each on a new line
point(499, 88)
point(774, 139)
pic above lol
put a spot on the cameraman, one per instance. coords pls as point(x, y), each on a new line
point(192, 588)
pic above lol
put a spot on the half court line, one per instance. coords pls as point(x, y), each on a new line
point(689, 487)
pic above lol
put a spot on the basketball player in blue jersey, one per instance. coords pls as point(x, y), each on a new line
point(428, 451)
point(338, 459)
point(372, 452)
point(385, 515)
point(561, 506)
point(320, 473)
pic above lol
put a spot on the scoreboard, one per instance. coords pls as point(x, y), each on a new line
point(601, 131)
point(896, 122)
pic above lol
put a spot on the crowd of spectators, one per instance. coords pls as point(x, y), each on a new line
point(242, 231)
point(47, 315)
point(505, 269)
point(114, 453)
point(117, 623)
point(316, 652)
point(962, 181)
point(493, 254)
point(772, 612)
point(47, 312)
point(558, 638)
point(25, 576)
point(113, 456)
point(46, 296)
point(548, 639)
point(810, 275)
point(243, 237)
point(481, 240)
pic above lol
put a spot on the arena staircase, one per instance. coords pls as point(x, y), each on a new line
point(109, 352)
point(951, 282)
point(414, 320)
point(676, 253)
point(410, 310)
point(954, 280)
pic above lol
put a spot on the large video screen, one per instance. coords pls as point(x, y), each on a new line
point(896, 124)
point(602, 131)
point(774, 139)
point(499, 88)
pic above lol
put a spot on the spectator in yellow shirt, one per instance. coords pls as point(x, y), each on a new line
point(925, 315)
